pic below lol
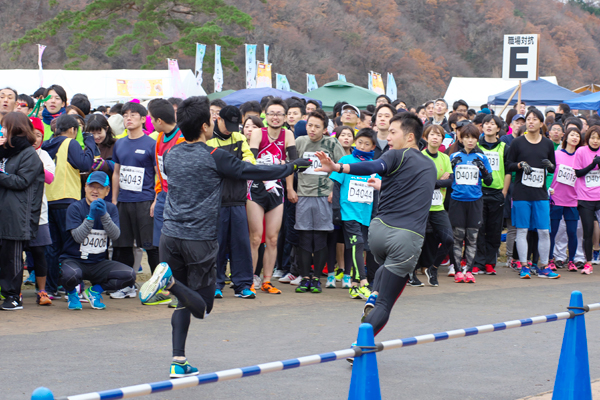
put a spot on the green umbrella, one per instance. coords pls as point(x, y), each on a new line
point(335, 91)
point(218, 95)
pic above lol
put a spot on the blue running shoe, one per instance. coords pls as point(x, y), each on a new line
point(181, 370)
point(246, 294)
point(525, 273)
point(30, 279)
point(218, 294)
point(94, 298)
point(140, 270)
point(73, 301)
point(369, 304)
point(160, 279)
point(548, 273)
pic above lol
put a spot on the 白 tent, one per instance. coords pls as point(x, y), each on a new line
point(104, 86)
point(244, 95)
point(535, 93)
point(335, 91)
point(589, 102)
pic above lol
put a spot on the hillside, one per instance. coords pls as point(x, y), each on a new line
point(424, 43)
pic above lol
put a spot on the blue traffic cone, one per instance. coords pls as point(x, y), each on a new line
point(365, 375)
point(573, 374)
point(42, 393)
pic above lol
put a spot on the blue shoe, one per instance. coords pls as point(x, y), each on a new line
point(181, 370)
point(73, 301)
point(218, 294)
point(140, 270)
point(548, 273)
point(525, 273)
point(246, 294)
point(160, 279)
point(94, 298)
point(30, 279)
point(369, 304)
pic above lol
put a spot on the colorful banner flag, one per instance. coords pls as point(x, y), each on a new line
point(266, 53)
point(376, 83)
point(140, 87)
point(342, 77)
point(218, 76)
point(176, 79)
point(200, 52)
point(41, 49)
point(311, 83)
point(282, 83)
point(263, 76)
point(392, 89)
point(250, 66)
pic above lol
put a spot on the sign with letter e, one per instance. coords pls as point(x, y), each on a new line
point(521, 56)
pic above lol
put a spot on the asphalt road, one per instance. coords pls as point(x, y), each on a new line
point(126, 344)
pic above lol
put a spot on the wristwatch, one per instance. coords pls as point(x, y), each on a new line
point(341, 171)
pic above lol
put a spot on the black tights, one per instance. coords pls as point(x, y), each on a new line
point(312, 250)
point(125, 255)
point(587, 213)
point(389, 286)
point(38, 253)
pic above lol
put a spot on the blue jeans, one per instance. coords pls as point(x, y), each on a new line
point(159, 209)
point(57, 222)
point(234, 240)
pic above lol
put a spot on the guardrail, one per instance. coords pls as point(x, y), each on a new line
point(572, 377)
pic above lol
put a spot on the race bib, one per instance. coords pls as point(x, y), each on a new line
point(360, 192)
point(94, 243)
point(131, 178)
point(566, 175)
point(592, 179)
point(494, 159)
point(265, 159)
point(161, 168)
point(465, 174)
point(535, 179)
point(438, 198)
point(316, 163)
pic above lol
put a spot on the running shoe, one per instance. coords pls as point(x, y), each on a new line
point(267, 287)
point(548, 273)
point(431, 274)
point(257, 281)
point(246, 294)
point(330, 284)
point(446, 262)
point(365, 291)
point(54, 296)
point(354, 293)
point(339, 275)
point(346, 282)
point(42, 298)
point(218, 294)
point(559, 264)
point(533, 268)
point(596, 257)
point(572, 266)
point(477, 271)
point(124, 293)
point(316, 285)
point(515, 265)
point(252, 288)
point(181, 370)
point(174, 302)
point(552, 265)
point(140, 270)
point(451, 270)
point(459, 277)
point(304, 286)
point(158, 299)
point(525, 273)
point(287, 278)
point(94, 298)
point(469, 278)
point(296, 281)
point(160, 279)
point(414, 281)
point(489, 269)
point(277, 273)
point(369, 304)
point(73, 301)
point(12, 303)
point(579, 264)
point(30, 281)
point(587, 269)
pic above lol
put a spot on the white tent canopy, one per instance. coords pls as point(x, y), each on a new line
point(104, 86)
point(475, 91)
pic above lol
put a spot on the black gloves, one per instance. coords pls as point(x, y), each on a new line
point(455, 161)
point(479, 164)
point(548, 164)
point(526, 168)
point(597, 160)
point(301, 164)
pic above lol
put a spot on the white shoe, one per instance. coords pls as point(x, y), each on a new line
point(287, 278)
point(277, 273)
point(330, 282)
point(451, 270)
point(296, 282)
point(257, 281)
point(124, 293)
point(346, 282)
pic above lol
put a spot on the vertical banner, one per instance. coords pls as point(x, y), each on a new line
point(263, 76)
point(342, 77)
point(376, 83)
point(282, 83)
point(250, 66)
point(392, 89)
point(218, 76)
point(266, 53)
point(176, 79)
point(200, 52)
point(311, 83)
point(41, 49)
point(370, 86)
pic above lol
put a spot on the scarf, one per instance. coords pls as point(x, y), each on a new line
point(363, 155)
point(19, 143)
point(47, 117)
point(219, 135)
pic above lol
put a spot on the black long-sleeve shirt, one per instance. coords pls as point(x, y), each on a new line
point(530, 187)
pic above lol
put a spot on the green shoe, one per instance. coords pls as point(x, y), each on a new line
point(339, 275)
point(304, 286)
point(354, 292)
point(157, 299)
point(316, 286)
point(174, 302)
point(365, 292)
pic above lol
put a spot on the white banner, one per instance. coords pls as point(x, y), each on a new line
point(41, 49)
point(342, 77)
point(218, 76)
point(311, 83)
point(282, 83)
point(251, 67)
point(520, 57)
point(200, 52)
point(392, 89)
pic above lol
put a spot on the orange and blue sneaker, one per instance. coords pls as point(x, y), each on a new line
point(525, 273)
point(547, 273)
point(269, 288)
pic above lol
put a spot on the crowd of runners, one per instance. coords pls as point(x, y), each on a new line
point(277, 192)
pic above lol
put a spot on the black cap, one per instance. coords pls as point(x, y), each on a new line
point(232, 117)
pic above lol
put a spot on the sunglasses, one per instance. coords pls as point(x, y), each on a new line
point(462, 123)
point(22, 105)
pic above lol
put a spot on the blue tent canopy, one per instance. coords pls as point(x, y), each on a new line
point(536, 93)
point(244, 95)
point(589, 102)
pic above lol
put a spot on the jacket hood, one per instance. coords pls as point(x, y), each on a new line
point(52, 145)
point(19, 143)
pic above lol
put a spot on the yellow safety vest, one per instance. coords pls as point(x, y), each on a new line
point(67, 183)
